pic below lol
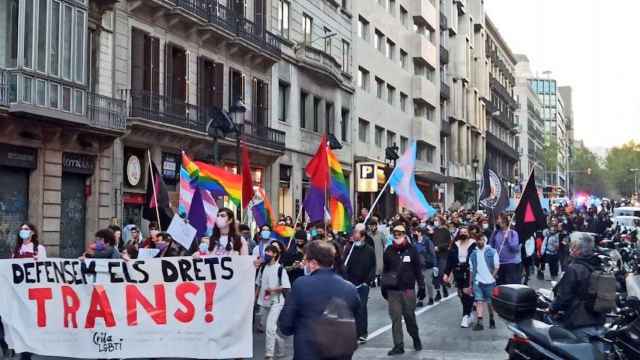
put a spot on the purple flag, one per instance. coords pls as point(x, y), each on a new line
point(197, 215)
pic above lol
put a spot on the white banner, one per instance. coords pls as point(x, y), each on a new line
point(170, 307)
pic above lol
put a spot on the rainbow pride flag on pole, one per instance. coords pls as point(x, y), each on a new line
point(339, 201)
point(219, 181)
point(262, 210)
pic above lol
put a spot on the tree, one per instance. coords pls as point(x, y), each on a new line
point(587, 173)
point(550, 153)
point(619, 162)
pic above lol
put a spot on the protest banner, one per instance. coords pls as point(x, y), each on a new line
point(170, 307)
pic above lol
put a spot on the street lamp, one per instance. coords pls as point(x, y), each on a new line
point(475, 163)
point(238, 109)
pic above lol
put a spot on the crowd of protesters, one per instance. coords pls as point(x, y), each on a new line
point(411, 260)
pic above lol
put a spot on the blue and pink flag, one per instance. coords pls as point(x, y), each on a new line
point(403, 181)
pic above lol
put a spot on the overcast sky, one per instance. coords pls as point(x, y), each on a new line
point(590, 45)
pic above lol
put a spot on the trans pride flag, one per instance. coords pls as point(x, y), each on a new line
point(403, 181)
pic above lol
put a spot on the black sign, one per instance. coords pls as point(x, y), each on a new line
point(78, 163)
point(170, 168)
point(18, 156)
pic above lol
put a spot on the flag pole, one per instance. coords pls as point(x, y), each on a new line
point(153, 186)
point(294, 226)
point(375, 202)
point(519, 200)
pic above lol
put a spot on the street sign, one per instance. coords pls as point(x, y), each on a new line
point(367, 177)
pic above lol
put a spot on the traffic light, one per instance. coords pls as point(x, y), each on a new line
point(588, 171)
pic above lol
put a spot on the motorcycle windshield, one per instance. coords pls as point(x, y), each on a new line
point(633, 285)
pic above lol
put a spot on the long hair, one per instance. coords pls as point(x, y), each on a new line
point(233, 233)
point(34, 239)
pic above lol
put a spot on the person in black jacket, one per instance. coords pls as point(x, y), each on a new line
point(360, 270)
point(441, 239)
point(571, 293)
point(401, 271)
point(458, 266)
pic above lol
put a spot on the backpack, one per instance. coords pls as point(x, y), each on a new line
point(428, 254)
point(334, 332)
point(602, 292)
point(280, 270)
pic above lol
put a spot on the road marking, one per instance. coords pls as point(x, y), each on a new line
point(419, 312)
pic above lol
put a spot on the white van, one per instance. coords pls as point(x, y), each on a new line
point(626, 211)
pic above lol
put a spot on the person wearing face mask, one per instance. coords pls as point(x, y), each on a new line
point(104, 246)
point(360, 270)
point(225, 239)
point(441, 239)
point(134, 238)
point(483, 266)
point(458, 266)
point(551, 247)
point(245, 234)
point(379, 244)
point(167, 246)
point(572, 291)
point(203, 246)
point(264, 238)
point(401, 272)
point(292, 259)
point(272, 283)
point(27, 244)
point(507, 243)
point(303, 312)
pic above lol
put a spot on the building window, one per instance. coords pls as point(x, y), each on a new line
point(379, 88)
point(344, 125)
point(329, 116)
point(316, 114)
point(363, 79)
point(429, 112)
point(403, 144)
point(391, 49)
point(363, 131)
point(54, 40)
point(403, 101)
point(404, 59)
point(430, 152)
point(327, 41)
point(391, 138)
point(283, 97)
point(379, 41)
point(283, 18)
point(363, 28)
point(346, 56)
point(391, 94)
point(378, 136)
point(392, 7)
point(303, 109)
point(41, 32)
point(404, 16)
point(420, 151)
point(307, 28)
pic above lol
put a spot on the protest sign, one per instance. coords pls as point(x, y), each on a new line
point(182, 231)
point(147, 253)
point(169, 307)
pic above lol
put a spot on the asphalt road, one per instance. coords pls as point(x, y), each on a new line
point(440, 332)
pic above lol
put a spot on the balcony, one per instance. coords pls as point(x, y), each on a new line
point(25, 93)
point(425, 129)
point(424, 13)
point(212, 21)
point(444, 55)
point(501, 91)
point(424, 51)
point(444, 91)
point(444, 25)
point(504, 148)
point(424, 91)
point(145, 106)
point(320, 62)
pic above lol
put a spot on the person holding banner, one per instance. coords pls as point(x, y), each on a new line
point(154, 230)
point(272, 284)
point(168, 246)
point(224, 239)
point(104, 247)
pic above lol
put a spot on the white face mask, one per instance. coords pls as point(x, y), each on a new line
point(436, 223)
point(485, 226)
point(221, 223)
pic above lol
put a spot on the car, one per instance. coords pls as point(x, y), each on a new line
point(627, 222)
point(626, 211)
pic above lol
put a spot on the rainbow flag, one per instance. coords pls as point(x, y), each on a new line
point(189, 172)
point(262, 210)
point(339, 201)
point(283, 233)
point(219, 182)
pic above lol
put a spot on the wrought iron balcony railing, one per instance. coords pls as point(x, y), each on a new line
point(106, 112)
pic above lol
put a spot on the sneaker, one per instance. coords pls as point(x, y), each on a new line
point(430, 301)
point(362, 339)
point(417, 344)
point(478, 326)
point(465, 322)
point(492, 324)
point(438, 297)
point(445, 292)
point(397, 350)
point(420, 304)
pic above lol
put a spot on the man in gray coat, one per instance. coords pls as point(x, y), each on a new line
point(379, 242)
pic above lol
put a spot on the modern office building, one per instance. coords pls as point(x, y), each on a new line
point(566, 94)
point(531, 124)
point(502, 142)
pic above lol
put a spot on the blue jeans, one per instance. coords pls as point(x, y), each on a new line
point(482, 292)
point(363, 325)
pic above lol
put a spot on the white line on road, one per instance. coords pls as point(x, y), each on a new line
point(386, 328)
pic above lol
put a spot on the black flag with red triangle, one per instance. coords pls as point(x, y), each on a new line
point(529, 216)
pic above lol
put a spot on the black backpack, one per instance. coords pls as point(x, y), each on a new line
point(280, 270)
point(602, 292)
point(334, 332)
